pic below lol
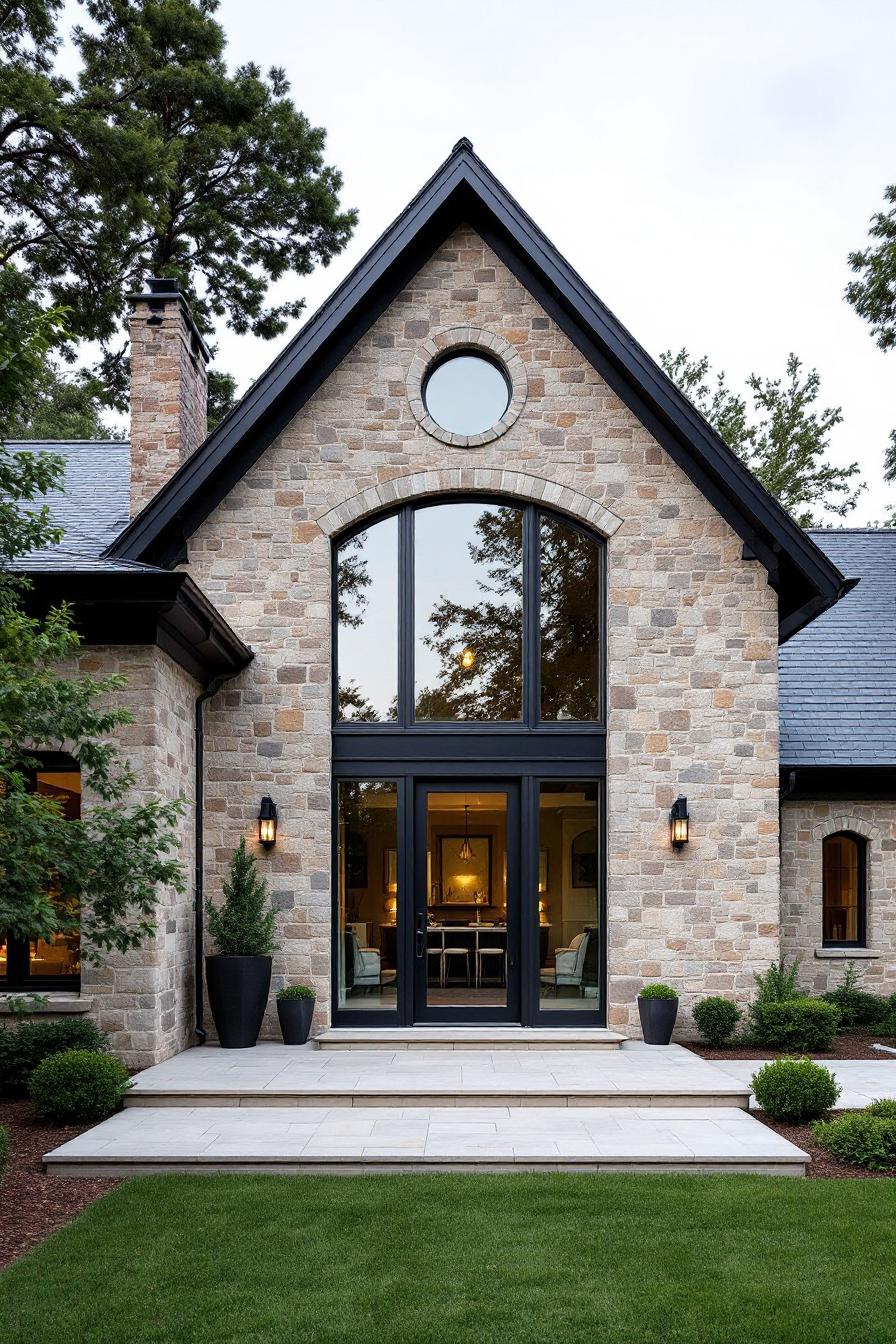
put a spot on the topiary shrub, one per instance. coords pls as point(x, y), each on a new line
point(4, 1149)
point(863, 1138)
point(794, 1090)
point(658, 991)
point(716, 1019)
point(78, 1085)
point(245, 924)
point(24, 1046)
point(797, 1024)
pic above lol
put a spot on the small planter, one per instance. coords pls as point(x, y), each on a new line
point(657, 1019)
point(295, 1019)
point(237, 995)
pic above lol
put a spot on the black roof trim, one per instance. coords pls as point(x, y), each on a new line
point(852, 782)
point(144, 606)
point(463, 190)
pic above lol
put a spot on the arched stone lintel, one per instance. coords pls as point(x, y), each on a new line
point(855, 822)
point(470, 480)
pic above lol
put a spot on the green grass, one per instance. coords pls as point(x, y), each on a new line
point(465, 1260)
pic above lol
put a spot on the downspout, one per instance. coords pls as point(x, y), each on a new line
point(199, 870)
point(783, 795)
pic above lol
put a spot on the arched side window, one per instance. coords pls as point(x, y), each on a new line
point(843, 890)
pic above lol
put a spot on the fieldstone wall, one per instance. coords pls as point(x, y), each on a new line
point(803, 828)
point(692, 637)
point(169, 392)
point(144, 999)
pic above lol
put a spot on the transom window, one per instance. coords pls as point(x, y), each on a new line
point(469, 611)
point(843, 887)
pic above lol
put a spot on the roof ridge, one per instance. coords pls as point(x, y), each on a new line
point(72, 443)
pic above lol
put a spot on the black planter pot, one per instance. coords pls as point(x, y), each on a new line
point(657, 1019)
point(295, 1019)
point(237, 995)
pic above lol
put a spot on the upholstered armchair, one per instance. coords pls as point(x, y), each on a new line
point(367, 966)
point(569, 964)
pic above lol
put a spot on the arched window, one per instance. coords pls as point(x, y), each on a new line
point(843, 888)
point(469, 611)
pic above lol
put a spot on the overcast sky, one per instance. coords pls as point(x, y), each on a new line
point(706, 165)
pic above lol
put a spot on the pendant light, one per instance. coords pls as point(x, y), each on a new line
point(466, 849)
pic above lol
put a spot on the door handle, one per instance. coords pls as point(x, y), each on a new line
point(420, 937)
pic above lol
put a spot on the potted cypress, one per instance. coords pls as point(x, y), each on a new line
point(658, 1009)
point(238, 976)
point(295, 1009)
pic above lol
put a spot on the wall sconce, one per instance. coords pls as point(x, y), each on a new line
point(678, 822)
point(267, 823)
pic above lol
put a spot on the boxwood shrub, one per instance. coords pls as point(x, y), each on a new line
point(856, 1007)
point(658, 991)
point(24, 1046)
point(295, 992)
point(863, 1138)
point(794, 1090)
point(4, 1149)
point(796, 1024)
point(716, 1019)
point(78, 1085)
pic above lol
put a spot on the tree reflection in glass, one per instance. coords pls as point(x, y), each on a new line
point(570, 623)
point(469, 612)
point(367, 616)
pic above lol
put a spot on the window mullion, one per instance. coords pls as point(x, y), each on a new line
point(531, 618)
point(406, 617)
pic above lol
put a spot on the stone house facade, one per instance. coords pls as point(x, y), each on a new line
point(244, 544)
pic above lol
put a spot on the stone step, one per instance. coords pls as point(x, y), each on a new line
point(296, 1076)
point(468, 1038)
point(403, 1139)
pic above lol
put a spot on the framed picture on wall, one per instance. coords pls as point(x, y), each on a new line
point(583, 859)
point(464, 881)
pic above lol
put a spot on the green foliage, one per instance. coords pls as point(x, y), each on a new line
point(658, 991)
point(794, 1090)
point(78, 1086)
point(783, 439)
point(863, 1138)
point(4, 1148)
point(885, 1107)
point(150, 157)
point(887, 1024)
point(242, 926)
point(873, 296)
point(64, 408)
point(109, 864)
point(856, 1007)
point(296, 992)
point(776, 985)
point(716, 1019)
point(797, 1024)
point(27, 1044)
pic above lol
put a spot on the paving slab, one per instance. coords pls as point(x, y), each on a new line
point(861, 1081)
point(139, 1139)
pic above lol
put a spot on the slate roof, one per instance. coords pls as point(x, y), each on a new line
point(93, 506)
point(838, 674)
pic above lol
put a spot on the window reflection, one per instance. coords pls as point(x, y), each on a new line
point(568, 895)
point(469, 612)
point(570, 623)
point(367, 616)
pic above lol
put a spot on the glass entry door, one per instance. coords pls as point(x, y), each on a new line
point(466, 906)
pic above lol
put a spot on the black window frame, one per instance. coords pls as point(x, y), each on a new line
point(528, 751)
point(18, 978)
point(861, 844)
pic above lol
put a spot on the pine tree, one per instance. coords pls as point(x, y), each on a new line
point(242, 926)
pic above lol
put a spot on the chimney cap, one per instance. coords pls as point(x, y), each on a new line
point(164, 284)
point(164, 288)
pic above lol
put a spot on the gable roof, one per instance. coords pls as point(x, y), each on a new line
point(838, 676)
point(464, 191)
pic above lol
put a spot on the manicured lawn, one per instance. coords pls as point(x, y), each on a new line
point(465, 1260)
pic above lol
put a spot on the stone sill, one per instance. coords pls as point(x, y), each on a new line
point(846, 954)
point(55, 1003)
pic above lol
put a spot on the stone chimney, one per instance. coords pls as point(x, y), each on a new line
point(169, 388)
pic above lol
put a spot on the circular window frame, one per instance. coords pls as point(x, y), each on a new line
point(466, 340)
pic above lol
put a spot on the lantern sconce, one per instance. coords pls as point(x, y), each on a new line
point(678, 822)
point(267, 823)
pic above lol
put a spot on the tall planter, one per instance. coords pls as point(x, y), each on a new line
point(295, 1019)
point(657, 1019)
point(238, 990)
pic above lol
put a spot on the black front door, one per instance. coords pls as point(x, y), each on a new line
point(466, 901)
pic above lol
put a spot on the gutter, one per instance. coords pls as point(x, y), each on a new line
point(199, 855)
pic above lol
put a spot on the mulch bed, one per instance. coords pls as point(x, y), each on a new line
point(823, 1165)
point(854, 1045)
point(33, 1204)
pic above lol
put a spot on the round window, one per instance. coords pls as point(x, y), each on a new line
point(466, 394)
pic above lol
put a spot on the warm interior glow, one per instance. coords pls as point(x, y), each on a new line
point(468, 659)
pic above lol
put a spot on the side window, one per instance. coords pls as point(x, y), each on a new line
point(843, 887)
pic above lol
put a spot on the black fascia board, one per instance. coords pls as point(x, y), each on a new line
point(463, 190)
point(855, 782)
point(143, 607)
